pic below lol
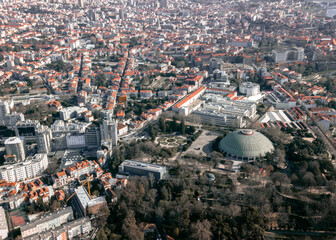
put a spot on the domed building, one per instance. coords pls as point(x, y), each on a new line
point(245, 145)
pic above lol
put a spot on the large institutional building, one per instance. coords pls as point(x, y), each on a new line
point(142, 169)
point(221, 111)
point(287, 55)
point(245, 145)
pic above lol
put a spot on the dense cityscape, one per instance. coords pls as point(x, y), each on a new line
point(197, 119)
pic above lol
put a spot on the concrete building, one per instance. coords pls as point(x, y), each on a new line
point(221, 76)
point(47, 222)
point(34, 132)
point(92, 137)
point(3, 224)
point(15, 146)
point(109, 131)
point(189, 103)
point(43, 137)
point(216, 64)
point(7, 118)
point(71, 112)
point(88, 205)
point(142, 169)
point(295, 54)
point(221, 111)
point(249, 88)
point(77, 228)
point(32, 167)
point(215, 117)
point(280, 98)
point(4, 111)
point(27, 129)
point(60, 127)
point(75, 141)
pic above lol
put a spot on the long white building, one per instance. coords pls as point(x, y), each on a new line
point(70, 230)
point(46, 223)
point(32, 167)
point(221, 111)
point(185, 106)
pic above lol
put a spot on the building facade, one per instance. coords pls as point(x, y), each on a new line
point(15, 146)
point(32, 167)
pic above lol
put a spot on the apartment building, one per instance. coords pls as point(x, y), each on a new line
point(47, 222)
point(70, 230)
point(32, 167)
point(15, 146)
point(3, 224)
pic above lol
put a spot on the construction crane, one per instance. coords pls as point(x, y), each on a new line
point(88, 182)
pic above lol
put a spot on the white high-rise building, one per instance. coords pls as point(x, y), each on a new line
point(15, 146)
point(4, 111)
point(109, 131)
point(43, 137)
point(3, 224)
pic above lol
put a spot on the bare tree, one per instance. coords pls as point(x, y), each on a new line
point(280, 178)
point(201, 230)
point(331, 185)
point(130, 229)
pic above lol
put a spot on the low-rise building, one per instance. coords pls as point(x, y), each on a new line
point(88, 205)
point(47, 222)
point(77, 228)
point(142, 169)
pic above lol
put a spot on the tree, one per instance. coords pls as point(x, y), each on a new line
point(130, 230)
point(101, 235)
point(201, 230)
point(331, 186)
point(183, 127)
point(294, 179)
point(162, 124)
point(332, 104)
point(153, 132)
point(281, 178)
point(191, 130)
point(60, 66)
point(283, 220)
point(101, 80)
point(308, 180)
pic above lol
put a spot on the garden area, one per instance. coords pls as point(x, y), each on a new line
point(171, 141)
